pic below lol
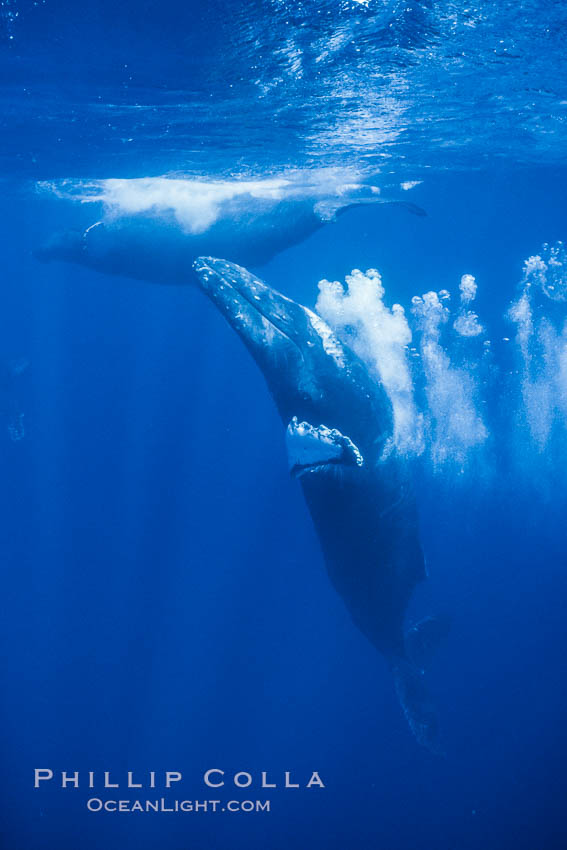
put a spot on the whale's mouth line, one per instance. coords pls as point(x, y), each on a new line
point(300, 469)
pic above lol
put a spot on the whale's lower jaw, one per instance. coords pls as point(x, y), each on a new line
point(318, 449)
point(318, 468)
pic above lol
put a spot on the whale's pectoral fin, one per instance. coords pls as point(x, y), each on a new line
point(330, 208)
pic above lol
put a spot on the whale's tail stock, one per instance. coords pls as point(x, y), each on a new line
point(421, 641)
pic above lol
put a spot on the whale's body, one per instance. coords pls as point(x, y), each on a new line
point(160, 243)
point(338, 427)
point(338, 419)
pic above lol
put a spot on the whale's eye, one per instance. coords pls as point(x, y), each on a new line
point(317, 448)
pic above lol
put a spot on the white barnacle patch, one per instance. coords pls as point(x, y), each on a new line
point(311, 449)
point(331, 343)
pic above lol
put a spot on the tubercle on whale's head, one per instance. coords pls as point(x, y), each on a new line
point(311, 374)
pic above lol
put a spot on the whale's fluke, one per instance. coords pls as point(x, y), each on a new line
point(417, 706)
point(421, 641)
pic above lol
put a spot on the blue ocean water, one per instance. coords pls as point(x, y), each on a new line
point(165, 604)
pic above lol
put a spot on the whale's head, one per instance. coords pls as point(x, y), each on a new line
point(67, 245)
point(336, 415)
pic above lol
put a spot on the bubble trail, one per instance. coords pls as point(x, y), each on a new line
point(453, 392)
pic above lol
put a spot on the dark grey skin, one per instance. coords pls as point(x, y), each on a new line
point(364, 511)
point(249, 231)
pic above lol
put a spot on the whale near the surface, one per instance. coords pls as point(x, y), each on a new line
point(154, 228)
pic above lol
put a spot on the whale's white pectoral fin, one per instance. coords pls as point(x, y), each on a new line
point(330, 208)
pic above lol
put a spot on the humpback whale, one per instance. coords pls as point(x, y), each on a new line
point(158, 226)
point(338, 419)
point(338, 423)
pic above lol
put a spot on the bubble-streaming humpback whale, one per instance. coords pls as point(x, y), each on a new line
point(338, 425)
point(156, 227)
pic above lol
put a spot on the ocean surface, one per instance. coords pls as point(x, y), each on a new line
point(164, 603)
